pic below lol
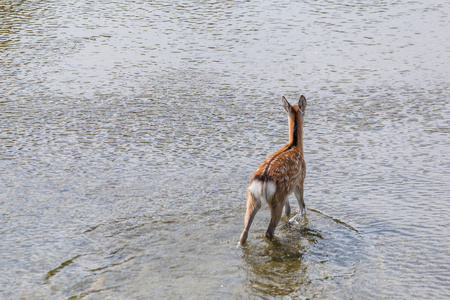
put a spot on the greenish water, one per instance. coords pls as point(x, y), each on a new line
point(129, 131)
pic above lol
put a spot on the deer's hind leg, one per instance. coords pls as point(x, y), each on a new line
point(298, 191)
point(276, 209)
point(253, 205)
point(287, 208)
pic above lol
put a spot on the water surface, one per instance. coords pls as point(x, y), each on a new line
point(129, 131)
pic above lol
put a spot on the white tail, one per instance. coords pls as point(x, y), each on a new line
point(279, 175)
point(262, 190)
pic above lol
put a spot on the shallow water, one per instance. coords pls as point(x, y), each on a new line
point(129, 131)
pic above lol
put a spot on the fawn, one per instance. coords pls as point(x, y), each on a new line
point(279, 175)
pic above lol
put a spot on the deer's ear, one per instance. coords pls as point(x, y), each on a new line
point(286, 105)
point(302, 103)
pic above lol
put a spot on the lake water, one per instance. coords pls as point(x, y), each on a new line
point(129, 131)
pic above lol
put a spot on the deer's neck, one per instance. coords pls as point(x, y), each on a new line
point(296, 132)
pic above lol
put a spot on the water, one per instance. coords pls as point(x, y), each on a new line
point(130, 129)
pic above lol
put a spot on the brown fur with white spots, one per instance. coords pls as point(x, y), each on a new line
point(279, 175)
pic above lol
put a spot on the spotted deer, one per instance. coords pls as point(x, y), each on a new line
point(279, 175)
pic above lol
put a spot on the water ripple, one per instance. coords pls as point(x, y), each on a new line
point(129, 131)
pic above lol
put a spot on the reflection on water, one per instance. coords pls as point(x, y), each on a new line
point(309, 254)
point(129, 131)
point(277, 268)
point(304, 259)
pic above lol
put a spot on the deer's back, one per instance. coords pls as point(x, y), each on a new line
point(285, 168)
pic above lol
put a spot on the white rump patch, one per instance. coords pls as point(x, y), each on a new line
point(255, 188)
point(263, 191)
